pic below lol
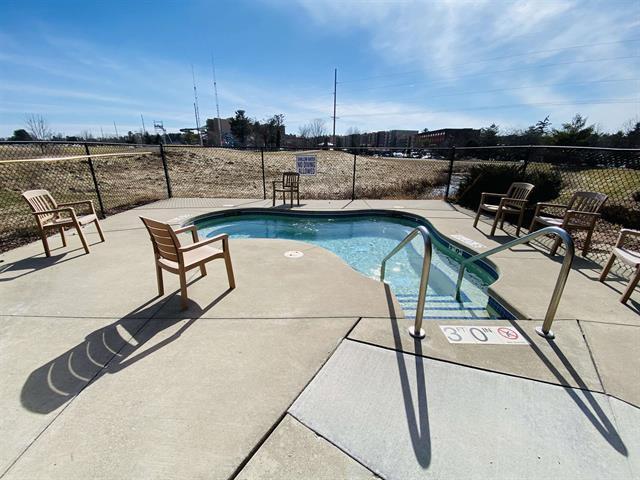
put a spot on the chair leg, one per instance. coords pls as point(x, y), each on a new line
point(99, 228)
point(274, 196)
point(554, 248)
point(495, 223)
point(587, 243)
point(82, 238)
point(160, 281)
point(607, 267)
point(520, 218)
point(475, 222)
point(45, 242)
point(632, 285)
point(203, 270)
point(298, 195)
point(184, 299)
point(227, 262)
point(64, 240)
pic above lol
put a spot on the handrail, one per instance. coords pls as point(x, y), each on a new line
point(545, 331)
point(416, 330)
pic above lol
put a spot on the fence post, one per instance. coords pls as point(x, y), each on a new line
point(353, 184)
point(530, 151)
point(452, 156)
point(166, 171)
point(95, 180)
point(264, 182)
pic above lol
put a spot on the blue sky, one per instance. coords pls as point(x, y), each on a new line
point(401, 64)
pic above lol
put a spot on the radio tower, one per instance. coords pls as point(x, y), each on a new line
point(195, 105)
point(215, 92)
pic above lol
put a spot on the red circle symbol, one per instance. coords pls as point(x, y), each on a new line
point(506, 332)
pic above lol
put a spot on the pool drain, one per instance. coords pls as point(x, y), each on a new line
point(293, 254)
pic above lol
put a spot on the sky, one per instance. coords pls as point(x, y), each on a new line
point(84, 65)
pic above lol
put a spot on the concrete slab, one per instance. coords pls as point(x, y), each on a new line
point(294, 452)
point(563, 361)
point(628, 419)
point(413, 204)
point(615, 351)
point(113, 281)
point(187, 203)
point(408, 417)
point(270, 285)
point(187, 399)
point(37, 354)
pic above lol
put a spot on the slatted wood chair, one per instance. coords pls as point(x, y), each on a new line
point(581, 213)
point(626, 256)
point(512, 202)
point(290, 183)
point(171, 256)
point(51, 215)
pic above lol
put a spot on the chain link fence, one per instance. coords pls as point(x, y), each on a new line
point(120, 176)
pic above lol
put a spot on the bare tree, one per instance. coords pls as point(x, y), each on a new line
point(318, 129)
point(38, 127)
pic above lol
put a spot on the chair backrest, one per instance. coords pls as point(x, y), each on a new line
point(165, 241)
point(41, 201)
point(520, 190)
point(290, 179)
point(589, 202)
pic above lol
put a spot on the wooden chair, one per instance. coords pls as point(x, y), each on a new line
point(626, 256)
point(290, 183)
point(514, 201)
point(170, 255)
point(581, 213)
point(51, 215)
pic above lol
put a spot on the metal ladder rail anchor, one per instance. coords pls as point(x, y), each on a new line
point(545, 330)
point(416, 330)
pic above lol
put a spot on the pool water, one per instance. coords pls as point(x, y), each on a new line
point(363, 241)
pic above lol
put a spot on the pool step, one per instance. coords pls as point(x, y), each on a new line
point(441, 307)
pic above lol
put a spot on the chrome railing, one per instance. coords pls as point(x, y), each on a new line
point(416, 330)
point(545, 330)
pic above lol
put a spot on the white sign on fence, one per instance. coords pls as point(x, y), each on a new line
point(306, 164)
point(483, 335)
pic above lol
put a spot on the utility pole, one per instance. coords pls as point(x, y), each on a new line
point(215, 91)
point(195, 105)
point(101, 134)
point(335, 85)
point(144, 129)
point(114, 126)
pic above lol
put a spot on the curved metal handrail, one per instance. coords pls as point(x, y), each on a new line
point(416, 330)
point(545, 331)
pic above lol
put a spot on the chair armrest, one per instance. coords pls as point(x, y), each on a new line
point(541, 205)
point(578, 213)
point(519, 201)
point(224, 237)
point(624, 233)
point(56, 210)
point(191, 228)
point(81, 202)
point(487, 194)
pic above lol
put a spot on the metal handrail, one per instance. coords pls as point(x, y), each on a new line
point(416, 330)
point(545, 331)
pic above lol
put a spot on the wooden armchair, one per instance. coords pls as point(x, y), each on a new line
point(51, 215)
point(290, 183)
point(170, 255)
point(581, 213)
point(514, 201)
point(626, 256)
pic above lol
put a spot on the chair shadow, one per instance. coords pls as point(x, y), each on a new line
point(417, 422)
point(107, 350)
point(35, 263)
point(590, 408)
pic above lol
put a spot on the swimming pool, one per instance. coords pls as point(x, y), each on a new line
point(362, 240)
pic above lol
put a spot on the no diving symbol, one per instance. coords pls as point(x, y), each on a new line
point(508, 333)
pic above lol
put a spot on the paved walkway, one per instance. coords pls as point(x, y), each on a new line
point(305, 370)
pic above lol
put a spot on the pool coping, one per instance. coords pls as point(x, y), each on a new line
point(501, 305)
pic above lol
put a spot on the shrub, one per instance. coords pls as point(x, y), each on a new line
point(636, 196)
point(621, 215)
point(497, 179)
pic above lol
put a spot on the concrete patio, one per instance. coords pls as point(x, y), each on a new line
point(305, 370)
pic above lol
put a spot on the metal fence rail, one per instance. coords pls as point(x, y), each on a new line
point(121, 181)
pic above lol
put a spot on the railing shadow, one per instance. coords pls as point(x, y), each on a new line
point(590, 407)
point(107, 350)
point(417, 422)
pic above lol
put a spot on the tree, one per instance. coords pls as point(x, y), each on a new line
point(38, 127)
point(21, 135)
point(576, 133)
point(240, 127)
point(489, 136)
